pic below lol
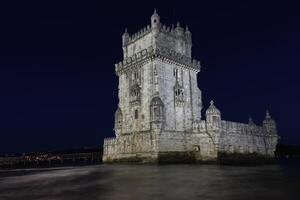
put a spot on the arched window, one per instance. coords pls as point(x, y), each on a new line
point(136, 114)
point(156, 110)
point(136, 75)
point(175, 73)
point(178, 94)
point(118, 119)
point(135, 93)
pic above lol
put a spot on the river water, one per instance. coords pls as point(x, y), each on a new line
point(132, 182)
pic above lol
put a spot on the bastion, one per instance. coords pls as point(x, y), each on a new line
point(158, 118)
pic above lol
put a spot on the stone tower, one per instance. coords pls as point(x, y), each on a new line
point(157, 80)
point(158, 117)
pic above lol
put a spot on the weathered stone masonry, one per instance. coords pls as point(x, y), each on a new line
point(159, 112)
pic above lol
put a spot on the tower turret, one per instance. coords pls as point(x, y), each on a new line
point(213, 123)
point(179, 30)
point(155, 20)
point(188, 34)
point(188, 39)
point(213, 117)
point(269, 124)
point(125, 37)
point(250, 122)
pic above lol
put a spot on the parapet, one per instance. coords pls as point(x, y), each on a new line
point(242, 128)
point(109, 141)
point(134, 37)
point(159, 35)
point(163, 53)
point(173, 32)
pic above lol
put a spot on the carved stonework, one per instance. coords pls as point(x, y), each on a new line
point(162, 53)
point(156, 110)
point(178, 94)
point(159, 113)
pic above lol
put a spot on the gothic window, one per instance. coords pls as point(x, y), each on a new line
point(136, 114)
point(155, 71)
point(135, 93)
point(156, 109)
point(178, 94)
point(199, 98)
point(175, 73)
point(136, 75)
point(155, 75)
point(118, 119)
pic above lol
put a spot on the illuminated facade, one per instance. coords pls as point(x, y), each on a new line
point(159, 112)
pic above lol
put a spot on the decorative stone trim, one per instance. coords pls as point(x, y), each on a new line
point(164, 54)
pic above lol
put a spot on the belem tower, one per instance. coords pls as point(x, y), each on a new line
point(158, 118)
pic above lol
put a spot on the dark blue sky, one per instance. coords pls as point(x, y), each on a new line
point(57, 83)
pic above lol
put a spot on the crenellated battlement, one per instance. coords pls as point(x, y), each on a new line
point(163, 53)
point(142, 32)
point(109, 141)
point(242, 128)
point(171, 31)
point(158, 35)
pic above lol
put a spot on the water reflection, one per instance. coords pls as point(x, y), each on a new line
point(152, 182)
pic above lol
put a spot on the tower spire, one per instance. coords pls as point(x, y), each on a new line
point(155, 20)
point(268, 116)
point(250, 120)
point(125, 37)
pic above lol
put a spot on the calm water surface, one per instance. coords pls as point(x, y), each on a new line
point(122, 182)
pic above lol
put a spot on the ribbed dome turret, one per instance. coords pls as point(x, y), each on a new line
point(212, 110)
point(250, 122)
point(268, 118)
point(269, 124)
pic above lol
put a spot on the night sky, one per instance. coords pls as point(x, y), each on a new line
point(58, 88)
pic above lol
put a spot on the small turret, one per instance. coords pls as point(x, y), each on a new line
point(213, 123)
point(172, 28)
point(155, 20)
point(179, 30)
point(213, 117)
point(269, 124)
point(188, 38)
point(188, 34)
point(250, 122)
point(125, 37)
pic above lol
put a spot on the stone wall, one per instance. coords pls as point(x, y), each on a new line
point(234, 138)
point(246, 138)
point(129, 146)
